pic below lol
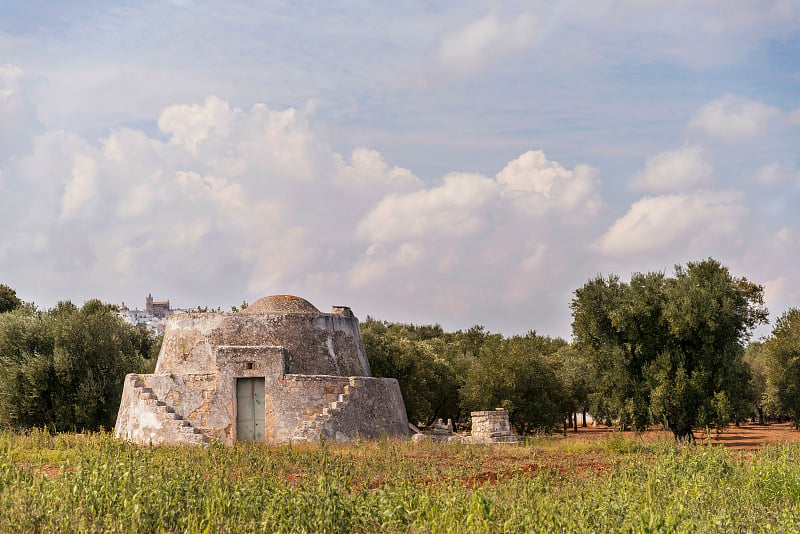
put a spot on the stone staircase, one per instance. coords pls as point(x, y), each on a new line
point(167, 414)
point(313, 428)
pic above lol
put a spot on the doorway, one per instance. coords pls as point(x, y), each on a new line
point(250, 409)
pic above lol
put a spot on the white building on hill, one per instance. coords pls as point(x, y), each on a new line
point(153, 317)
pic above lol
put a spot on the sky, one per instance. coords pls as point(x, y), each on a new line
point(428, 162)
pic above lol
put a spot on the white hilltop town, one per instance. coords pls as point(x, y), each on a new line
point(153, 317)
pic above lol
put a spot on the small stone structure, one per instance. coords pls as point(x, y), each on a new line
point(492, 427)
point(278, 371)
point(440, 432)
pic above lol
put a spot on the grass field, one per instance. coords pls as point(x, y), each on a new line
point(71, 482)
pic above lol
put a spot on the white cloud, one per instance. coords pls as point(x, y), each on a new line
point(539, 185)
point(675, 170)
point(730, 118)
point(675, 223)
point(784, 237)
point(777, 173)
point(190, 125)
point(781, 293)
point(142, 197)
point(281, 143)
point(18, 119)
point(473, 243)
point(453, 209)
point(238, 203)
point(374, 268)
point(10, 83)
point(475, 45)
point(250, 202)
point(80, 191)
point(226, 196)
point(368, 170)
point(44, 176)
point(794, 116)
point(282, 259)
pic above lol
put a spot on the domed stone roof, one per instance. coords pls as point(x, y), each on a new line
point(279, 304)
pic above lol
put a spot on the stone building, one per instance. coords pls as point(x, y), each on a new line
point(491, 426)
point(153, 317)
point(277, 371)
point(157, 308)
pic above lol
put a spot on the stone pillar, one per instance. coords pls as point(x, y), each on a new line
point(490, 425)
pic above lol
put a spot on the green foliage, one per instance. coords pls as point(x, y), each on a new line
point(424, 364)
point(8, 299)
point(447, 375)
point(573, 369)
point(64, 368)
point(782, 358)
point(515, 374)
point(765, 396)
point(92, 483)
point(669, 350)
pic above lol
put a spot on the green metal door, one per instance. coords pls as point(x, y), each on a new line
point(250, 409)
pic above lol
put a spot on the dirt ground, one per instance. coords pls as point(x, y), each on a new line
point(747, 436)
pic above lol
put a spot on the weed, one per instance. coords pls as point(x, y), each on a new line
point(92, 482)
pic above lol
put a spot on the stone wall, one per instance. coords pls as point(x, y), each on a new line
point(375, 409)
point(146, 420)
point(297, 407)
point(300, 399)
point(317, 381)
point(324, 344)
point(490, 424)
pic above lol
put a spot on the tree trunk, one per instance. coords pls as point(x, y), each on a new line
point(575, 422)
point(760, 415)
point(583, 422)
point(683, 434)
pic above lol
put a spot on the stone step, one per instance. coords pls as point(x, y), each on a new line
point(185, 428)
point(311, 427)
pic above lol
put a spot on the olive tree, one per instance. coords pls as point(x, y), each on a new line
point(8, 299)
point(669, 349)
point(782, 355)
point(64, 368)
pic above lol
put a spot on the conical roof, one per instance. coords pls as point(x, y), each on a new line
point(280, 304)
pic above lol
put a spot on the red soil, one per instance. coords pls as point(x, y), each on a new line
point(747, 436)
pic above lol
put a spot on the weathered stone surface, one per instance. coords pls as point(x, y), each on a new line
point(316, 378)
point(491, 427)
point(324, 343)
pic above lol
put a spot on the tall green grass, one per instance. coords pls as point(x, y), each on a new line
point(93, 483)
